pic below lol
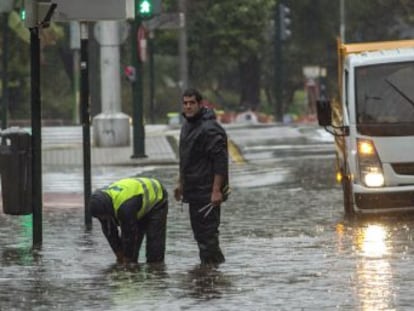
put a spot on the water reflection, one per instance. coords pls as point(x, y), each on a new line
point(374, 275)
point(21, 256)
point(205, 282)
point(282, 255)
point(371, 241)
point(20, 253)
point(135, 284)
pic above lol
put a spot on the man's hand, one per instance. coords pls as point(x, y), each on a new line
point(216, 197)
point(216, 194)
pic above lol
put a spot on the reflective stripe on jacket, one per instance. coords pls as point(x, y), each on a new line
point(125, 189)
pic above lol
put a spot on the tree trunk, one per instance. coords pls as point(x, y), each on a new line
point(250, 83)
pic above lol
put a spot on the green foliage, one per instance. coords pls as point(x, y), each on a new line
point(222, 34)
point(230, 46)
point(58, 101)
point(299, 103)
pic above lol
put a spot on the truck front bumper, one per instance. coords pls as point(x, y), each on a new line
point(387, 199)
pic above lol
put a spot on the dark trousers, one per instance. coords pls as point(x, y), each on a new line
point(206, 233)
point(154, 227)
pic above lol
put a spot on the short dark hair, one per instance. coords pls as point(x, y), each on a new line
point(193, 92)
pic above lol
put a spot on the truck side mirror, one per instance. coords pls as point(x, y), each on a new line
point(324, 111)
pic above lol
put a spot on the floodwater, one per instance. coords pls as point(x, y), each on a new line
point(286, 242)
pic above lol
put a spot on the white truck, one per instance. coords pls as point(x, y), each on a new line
point(373, 124)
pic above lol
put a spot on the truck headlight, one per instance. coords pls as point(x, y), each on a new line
point(375, 178)
point(370, 167)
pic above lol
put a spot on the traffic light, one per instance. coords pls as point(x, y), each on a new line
point(23, 13)
point(147, 9)
point(284, 22)
point(144, 8)
point(36, 12)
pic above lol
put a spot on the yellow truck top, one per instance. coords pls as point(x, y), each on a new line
point(353, 48)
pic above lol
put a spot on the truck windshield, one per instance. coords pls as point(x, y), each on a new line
point(385, 99)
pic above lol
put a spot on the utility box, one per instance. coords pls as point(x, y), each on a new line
point(16, 171)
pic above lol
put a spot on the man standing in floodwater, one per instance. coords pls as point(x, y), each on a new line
point(203, 174)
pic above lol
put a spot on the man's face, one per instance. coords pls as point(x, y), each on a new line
point(190, 106)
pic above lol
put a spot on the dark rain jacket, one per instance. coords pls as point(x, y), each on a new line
point(203, 153)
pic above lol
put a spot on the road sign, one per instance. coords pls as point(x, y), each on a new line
point(93, 10)
point(6, 6)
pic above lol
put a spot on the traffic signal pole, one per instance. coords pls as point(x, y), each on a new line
point(282, 33)
point(151, 76)
point(144, 10)
point(278, 109)
point(137, 94)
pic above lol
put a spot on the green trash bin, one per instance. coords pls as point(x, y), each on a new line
point(16, 171)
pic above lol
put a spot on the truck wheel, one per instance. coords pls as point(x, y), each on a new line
point(348, 202)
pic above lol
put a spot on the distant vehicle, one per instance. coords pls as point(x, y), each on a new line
point(373, 124)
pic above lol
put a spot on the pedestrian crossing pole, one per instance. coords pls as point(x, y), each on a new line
point(137, 89)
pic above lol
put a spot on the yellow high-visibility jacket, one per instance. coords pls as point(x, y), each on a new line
point(125, 189)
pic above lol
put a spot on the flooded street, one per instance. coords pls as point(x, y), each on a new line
point(284, 235)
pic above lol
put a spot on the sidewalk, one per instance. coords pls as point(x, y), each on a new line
point(62, 155)
point(63, 146)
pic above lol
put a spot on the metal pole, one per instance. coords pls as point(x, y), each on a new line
point(75, 47)
point(5, 79)
point(152, 76)
point(138, 111)
point(76, 83)
point(182, 7)
point(86, 127)
point(183, 51)
point(36, 119)
point(342, 20)
point(278, 68)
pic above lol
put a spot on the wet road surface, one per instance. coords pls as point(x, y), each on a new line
point(286, 242)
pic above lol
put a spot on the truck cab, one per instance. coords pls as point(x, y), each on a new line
point(373, 124)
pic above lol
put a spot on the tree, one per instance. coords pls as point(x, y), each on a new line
point(228, 37)
point(231, 51)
